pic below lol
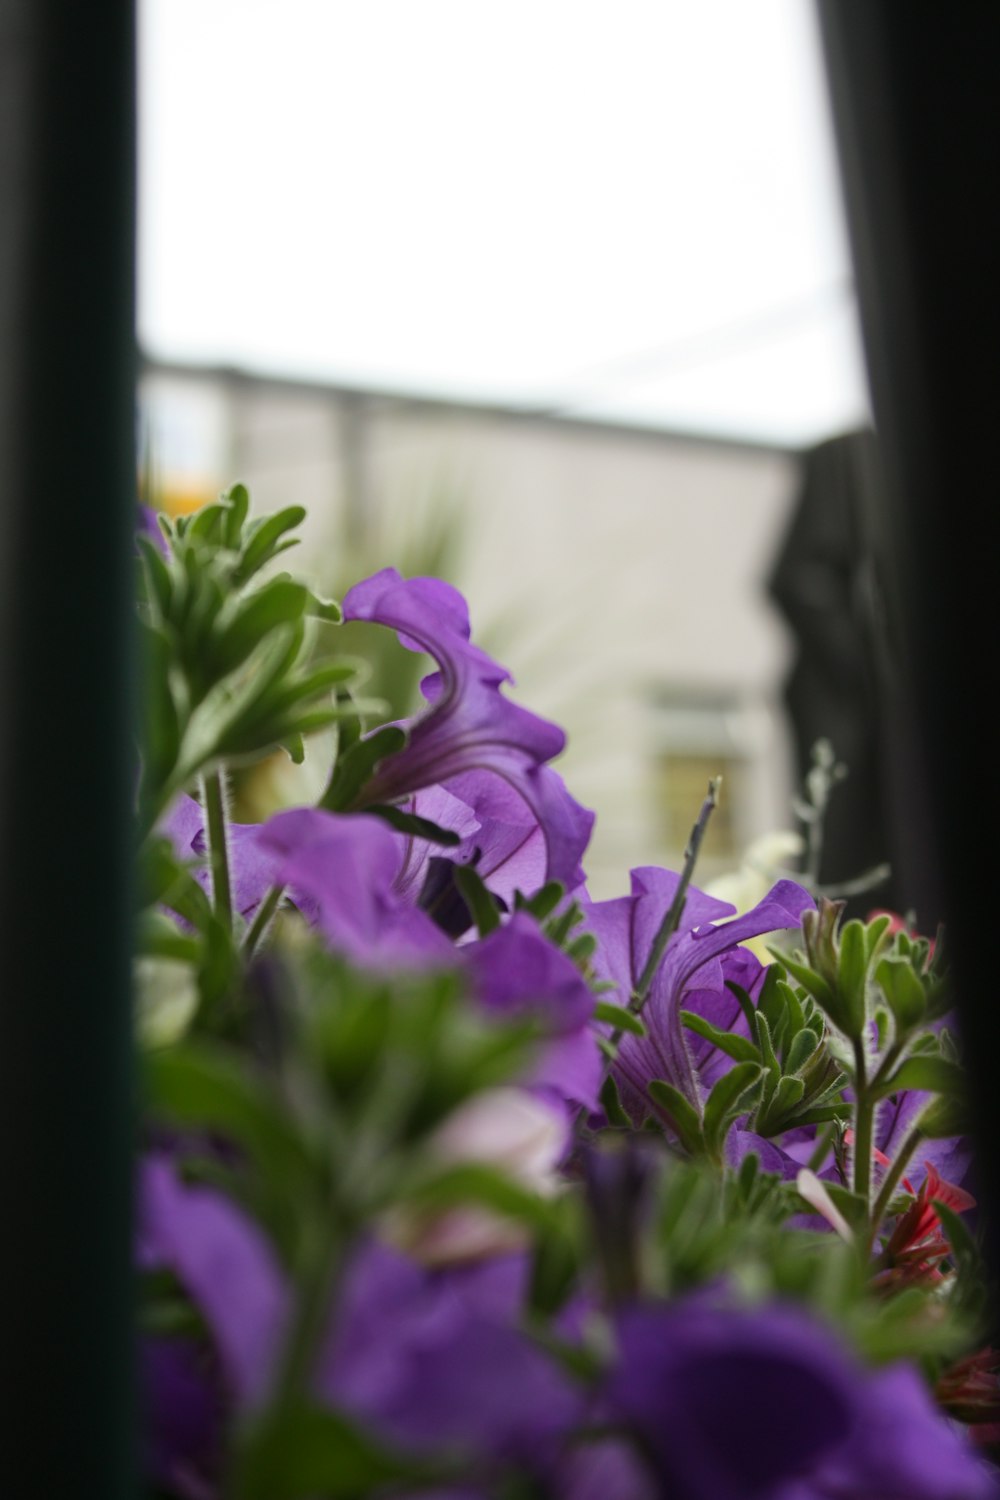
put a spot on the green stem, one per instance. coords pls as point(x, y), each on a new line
point(260, 1470)
point(670, 922)
point(824, 1140)
point(891, 1181)
point(864, 1119)
point(218, 851)
point(886, 1066)
point(666, 929)
point(308, 1329)
point(261, 921)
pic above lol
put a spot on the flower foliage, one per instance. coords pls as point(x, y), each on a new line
point(456, 1183)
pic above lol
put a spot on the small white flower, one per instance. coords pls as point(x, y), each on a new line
point(509, 1129)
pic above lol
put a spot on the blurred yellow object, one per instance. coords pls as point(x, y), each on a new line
point(181, 500)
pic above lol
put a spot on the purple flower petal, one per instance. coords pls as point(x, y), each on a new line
point(183, 1416)
point(699, 958)
point(148, 526)
point(517, 971)
point(227, 1268)
point(348, 866)
point(470, 725)
point(435, 1358)
point(252, 869)
point(767, 1403)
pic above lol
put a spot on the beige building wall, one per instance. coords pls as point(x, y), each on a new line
point(619, 575)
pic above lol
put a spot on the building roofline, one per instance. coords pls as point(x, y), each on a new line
point(413, 402)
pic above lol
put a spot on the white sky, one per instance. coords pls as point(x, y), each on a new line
point(620, 208)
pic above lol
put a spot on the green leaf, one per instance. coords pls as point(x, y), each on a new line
point(612, 1105)
point(582, 949)
point(559, 928)
point(933, 1073)
point(280, 602)
point(477, 898)
point(767, 1053)
point(544, 902)
point(802, 1048)
point(904, 992)
point(262, 540)
point(729, 1098)
point(618, 1017)
point(475, 1182)
point(198, 1084)
point(556, 1259)
point(779, 1114)
point(852, 977)
point(296, 749)
point(417, 827)
point(161, 719)
point(815, 985)
point(324, 609)
point(238, 498)
point(733, 1045)
point(159, 583)
point(355, 767)
point(957, 1231)
point(207, 523)
point(874, 932)
point(944, 1117)
point(821, 1114)
point(680, 1113)
point(300, 1450)
point(853, 1207)
point(746, 1177)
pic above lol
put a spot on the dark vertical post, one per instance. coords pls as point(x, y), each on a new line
point(67, 482)
point(914, 90)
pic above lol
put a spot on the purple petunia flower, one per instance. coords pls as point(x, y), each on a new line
point(183, 1415)
point(516, 970)
point(470, 725)
point(423, 1358)
point(768, 1405)
point(349, 868)
point(699, 958)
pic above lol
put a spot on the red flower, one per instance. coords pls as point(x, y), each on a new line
point(917, 1243)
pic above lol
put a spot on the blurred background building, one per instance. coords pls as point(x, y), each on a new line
point(551, 299)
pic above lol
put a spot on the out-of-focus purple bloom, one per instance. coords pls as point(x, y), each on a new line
point(433, 1359)
point(733, 1404)
point(695, 964)
point(348, 866)
point(605, 1470)
point(227, 1268)
point(515, 971)
point(183, 1415)
point(470, 725)
point(426, 1359)
point(147, 525)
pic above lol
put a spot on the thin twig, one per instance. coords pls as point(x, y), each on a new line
point(672, 919)
point(668, 926)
